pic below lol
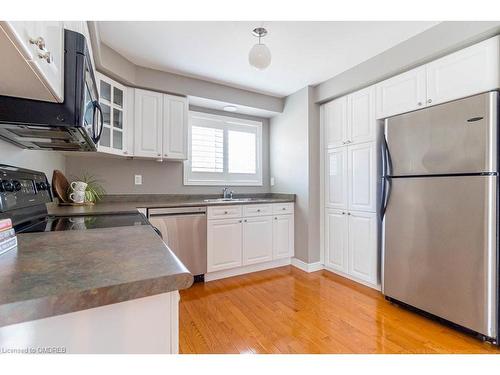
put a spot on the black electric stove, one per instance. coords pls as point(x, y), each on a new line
point(51, 223)
point(23, 197)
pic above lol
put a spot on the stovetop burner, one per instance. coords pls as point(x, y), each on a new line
point(51, 224)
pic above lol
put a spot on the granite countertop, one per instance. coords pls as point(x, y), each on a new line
point(119, 204)
point(55, 273)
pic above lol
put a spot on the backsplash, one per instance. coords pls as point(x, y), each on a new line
point(117, 176)
point(45, 161)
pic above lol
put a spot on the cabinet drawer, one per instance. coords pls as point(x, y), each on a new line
point(224, 212)
point(283, 208)
point(257, 210)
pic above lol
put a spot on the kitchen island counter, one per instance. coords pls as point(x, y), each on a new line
point(54, 273)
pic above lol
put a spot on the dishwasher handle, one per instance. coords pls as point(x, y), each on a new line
point(177, 211)
point(158, 232)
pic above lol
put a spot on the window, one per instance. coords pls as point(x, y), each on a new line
point(223, 151)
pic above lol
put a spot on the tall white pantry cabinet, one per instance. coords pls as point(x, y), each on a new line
point(349, 147)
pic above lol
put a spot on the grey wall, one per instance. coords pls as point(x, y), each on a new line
point(442, 39)
point(294, 159)
point(45, 161)
point(117, 174)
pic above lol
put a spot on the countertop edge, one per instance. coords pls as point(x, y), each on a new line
point(46, 307)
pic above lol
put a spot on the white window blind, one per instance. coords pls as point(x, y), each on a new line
point(207, 152)
point(223, 150)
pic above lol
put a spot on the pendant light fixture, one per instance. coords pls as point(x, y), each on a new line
point(259, 56)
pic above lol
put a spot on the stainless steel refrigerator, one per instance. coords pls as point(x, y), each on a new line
point(440, 212)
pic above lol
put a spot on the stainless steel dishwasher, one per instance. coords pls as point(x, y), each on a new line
point(184, 230)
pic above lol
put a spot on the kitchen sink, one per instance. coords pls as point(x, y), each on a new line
point(221, 200)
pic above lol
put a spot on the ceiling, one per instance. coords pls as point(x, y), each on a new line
point(303, 53)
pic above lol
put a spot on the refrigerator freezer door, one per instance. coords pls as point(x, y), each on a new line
point(451, 138)
point(440, 248)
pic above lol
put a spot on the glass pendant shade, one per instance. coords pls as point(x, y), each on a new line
point(259, 56)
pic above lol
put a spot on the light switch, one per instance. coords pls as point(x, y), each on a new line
point(138, 179)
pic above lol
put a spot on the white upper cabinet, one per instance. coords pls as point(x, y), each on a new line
point(467, 72)
point(283, 236)
point(175, 125)
point(336, 236)
point(362, 176)
point(257, 240)
point(32, 59)
point(350, 119)
point(335, 122)
point(361, 116)
point(114, 101)
point(148, 123)
point(363, 259)
point(470, 71)
point(160, 125)
point(402, 93)
point(336, 178)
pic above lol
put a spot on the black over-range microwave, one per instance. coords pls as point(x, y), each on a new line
point(75, 124)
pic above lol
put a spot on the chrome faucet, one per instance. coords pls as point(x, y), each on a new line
point(227, 194)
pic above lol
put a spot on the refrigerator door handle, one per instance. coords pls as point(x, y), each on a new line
point(386, 194)
point(386, 157)
point(386, 182)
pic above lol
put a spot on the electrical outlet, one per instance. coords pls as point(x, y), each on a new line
point(272, 181)
point(138, 179)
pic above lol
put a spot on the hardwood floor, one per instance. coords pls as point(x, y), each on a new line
point(286, 310)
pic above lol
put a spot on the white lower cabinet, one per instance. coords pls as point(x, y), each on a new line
point(283, 236)
point(251, 236)
point(257, 240)
point(336, 230)
point(351, 244)
point(362, 246)
point(224, 245)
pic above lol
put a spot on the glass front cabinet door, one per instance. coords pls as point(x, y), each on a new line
point(112, 97)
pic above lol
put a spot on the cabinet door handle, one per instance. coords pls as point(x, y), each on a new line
point(158, 154)
point(275, 218)
point(245, 220)
point(343, 213)
point(258, 210)
point(225, 212)
point(125, 152)
point(429, 101)
point(239, 221)
point(39, 42)
point(45, 56)
point(348, 213)
point(419, 104)
point(165, 155)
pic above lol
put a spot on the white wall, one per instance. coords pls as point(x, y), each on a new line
point(45, 161)
point(294, 161)
point(117, 174)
